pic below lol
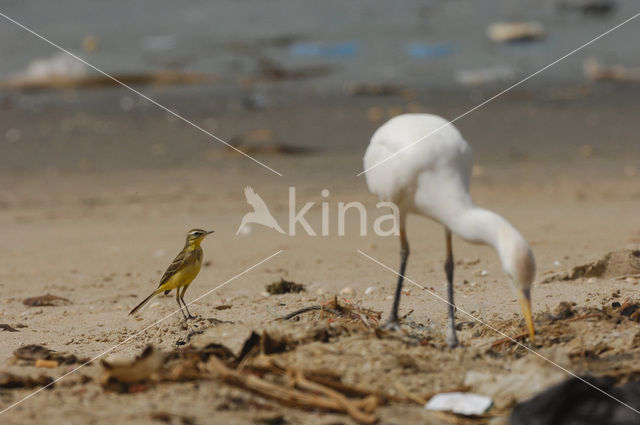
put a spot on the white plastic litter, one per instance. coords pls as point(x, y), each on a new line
point(461, 403)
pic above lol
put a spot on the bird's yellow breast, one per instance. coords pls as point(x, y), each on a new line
point(188, 270)
point(182, 277)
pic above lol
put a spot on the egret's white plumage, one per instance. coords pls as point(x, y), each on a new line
point(431, 178)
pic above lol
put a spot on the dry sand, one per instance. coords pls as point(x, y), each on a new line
point(102, 239)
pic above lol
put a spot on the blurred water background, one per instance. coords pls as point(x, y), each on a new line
point(301, 67)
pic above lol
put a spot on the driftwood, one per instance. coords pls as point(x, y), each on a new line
point(298, 395)
point(344, 309)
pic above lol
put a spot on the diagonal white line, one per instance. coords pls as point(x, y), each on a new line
point(175, 114)
point(137, 333)
point(499, 332)
point(499, 94)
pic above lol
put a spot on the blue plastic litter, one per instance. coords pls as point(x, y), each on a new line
point(429, 51)
point(341, 50)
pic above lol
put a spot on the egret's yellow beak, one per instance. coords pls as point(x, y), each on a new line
point(525, 304)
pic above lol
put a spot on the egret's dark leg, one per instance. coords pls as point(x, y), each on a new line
point(452, 339)
point(393, 322)
point(180, 305)
point(184, 289)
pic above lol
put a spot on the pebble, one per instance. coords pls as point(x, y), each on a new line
point(370, 290)
point(481, 273)
point(348, 291)
point(265, 294)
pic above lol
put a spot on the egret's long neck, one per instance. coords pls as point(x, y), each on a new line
point(478, 225)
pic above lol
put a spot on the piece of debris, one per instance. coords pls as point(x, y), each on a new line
point(525, 378)
point(429, 51)
point(598, 72)
point(461, 403)
point(120, 375)
point(284, 287)
point(9, 380)
point(62, 71)
point(344, 310)
point(630, 309)
point(611, 405)
point(46, 300)
point(7, 328)
point(271, 419)
point(301, 392)
point(588, 7)
point(615, 264)
point(270, 70)
point(32, 353)
point(90, 44)
point(564, 310)
point(348, 291)
point(478, 77)
point(50, 364)
point(338, 50)
point(223, 307)
point(262, 141)
point(380, 89)
point(508, 32)
point(170, 418)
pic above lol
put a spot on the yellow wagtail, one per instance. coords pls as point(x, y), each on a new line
point(184, 268)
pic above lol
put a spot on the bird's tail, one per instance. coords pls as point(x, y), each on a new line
point(146, 300)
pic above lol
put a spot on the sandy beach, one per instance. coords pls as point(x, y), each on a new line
point(98, 188)
point(101, 239)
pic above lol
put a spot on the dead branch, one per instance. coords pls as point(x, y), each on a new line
point(588, 316)
point(306, 309)
point(360, 410)
point(290, 396)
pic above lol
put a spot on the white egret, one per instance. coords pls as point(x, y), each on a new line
point(431, 178)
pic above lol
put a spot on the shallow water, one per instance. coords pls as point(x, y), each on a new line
point(226, 37)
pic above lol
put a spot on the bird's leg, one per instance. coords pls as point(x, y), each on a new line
point(452, 339)
point(393, 323)
point(184, 289)
point(180, 305)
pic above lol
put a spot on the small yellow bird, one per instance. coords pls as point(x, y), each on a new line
point(184, 268)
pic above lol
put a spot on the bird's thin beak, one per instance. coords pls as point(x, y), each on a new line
point(525, 304)
point(210, 232)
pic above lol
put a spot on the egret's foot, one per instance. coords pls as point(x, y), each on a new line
point(190, 317)
point(452, 339)
point(393, 324)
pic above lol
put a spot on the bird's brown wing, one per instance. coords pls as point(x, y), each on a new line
point(172, 269)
